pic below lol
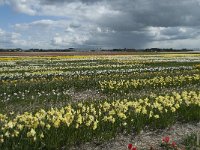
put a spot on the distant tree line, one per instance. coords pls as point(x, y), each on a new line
point(93, 50)
point(36, 50)
point(150, 50)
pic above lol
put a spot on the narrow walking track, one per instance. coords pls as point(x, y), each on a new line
point(145, 139)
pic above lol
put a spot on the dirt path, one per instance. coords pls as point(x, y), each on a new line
point(145, 139)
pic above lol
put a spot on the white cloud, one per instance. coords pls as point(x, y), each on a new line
point(173, 33)
point(56, 34)
point(1, 31)
point(9, 39)
point(29, 7)
point(183, 43)
point(69, 41)
point(45, 24)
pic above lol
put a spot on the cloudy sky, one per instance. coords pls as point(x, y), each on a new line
point(99, 23)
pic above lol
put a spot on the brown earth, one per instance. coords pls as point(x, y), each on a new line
point(84, 53)
point(146, 139)
point(67, 53)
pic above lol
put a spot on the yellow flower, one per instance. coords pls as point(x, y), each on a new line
point(7, 134)
point(48, 126)
point(121, 115)
point(31, 133)
point(10, 124)
point(156, 116)
point(1, 140)
point(95, 125)
point(124, 124)
point(80, 119)
point(56, 123)
point(144, 111)
point(42, 135)
point(77, 126)
point(16, 133)
point(20, 127)
point(177, 105)
point(173, 109)
point(42, 123)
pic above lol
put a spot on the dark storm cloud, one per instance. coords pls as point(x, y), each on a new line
point(163, 13)
point(119, 40)
point(169, 13)
point(157, 13)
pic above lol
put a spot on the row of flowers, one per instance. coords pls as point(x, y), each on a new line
point(128, 85)
point(89, 120)
point(65, 71)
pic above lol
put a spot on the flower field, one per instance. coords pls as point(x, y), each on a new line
point(39, 108)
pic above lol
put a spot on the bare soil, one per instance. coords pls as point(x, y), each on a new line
point(86, 53)
point(67, 53)
point(145, 139)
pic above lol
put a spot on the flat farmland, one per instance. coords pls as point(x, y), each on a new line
point(67, 53)
point(88, 53)
point(57, 100)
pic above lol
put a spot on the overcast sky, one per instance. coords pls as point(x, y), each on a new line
point(99, 23)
